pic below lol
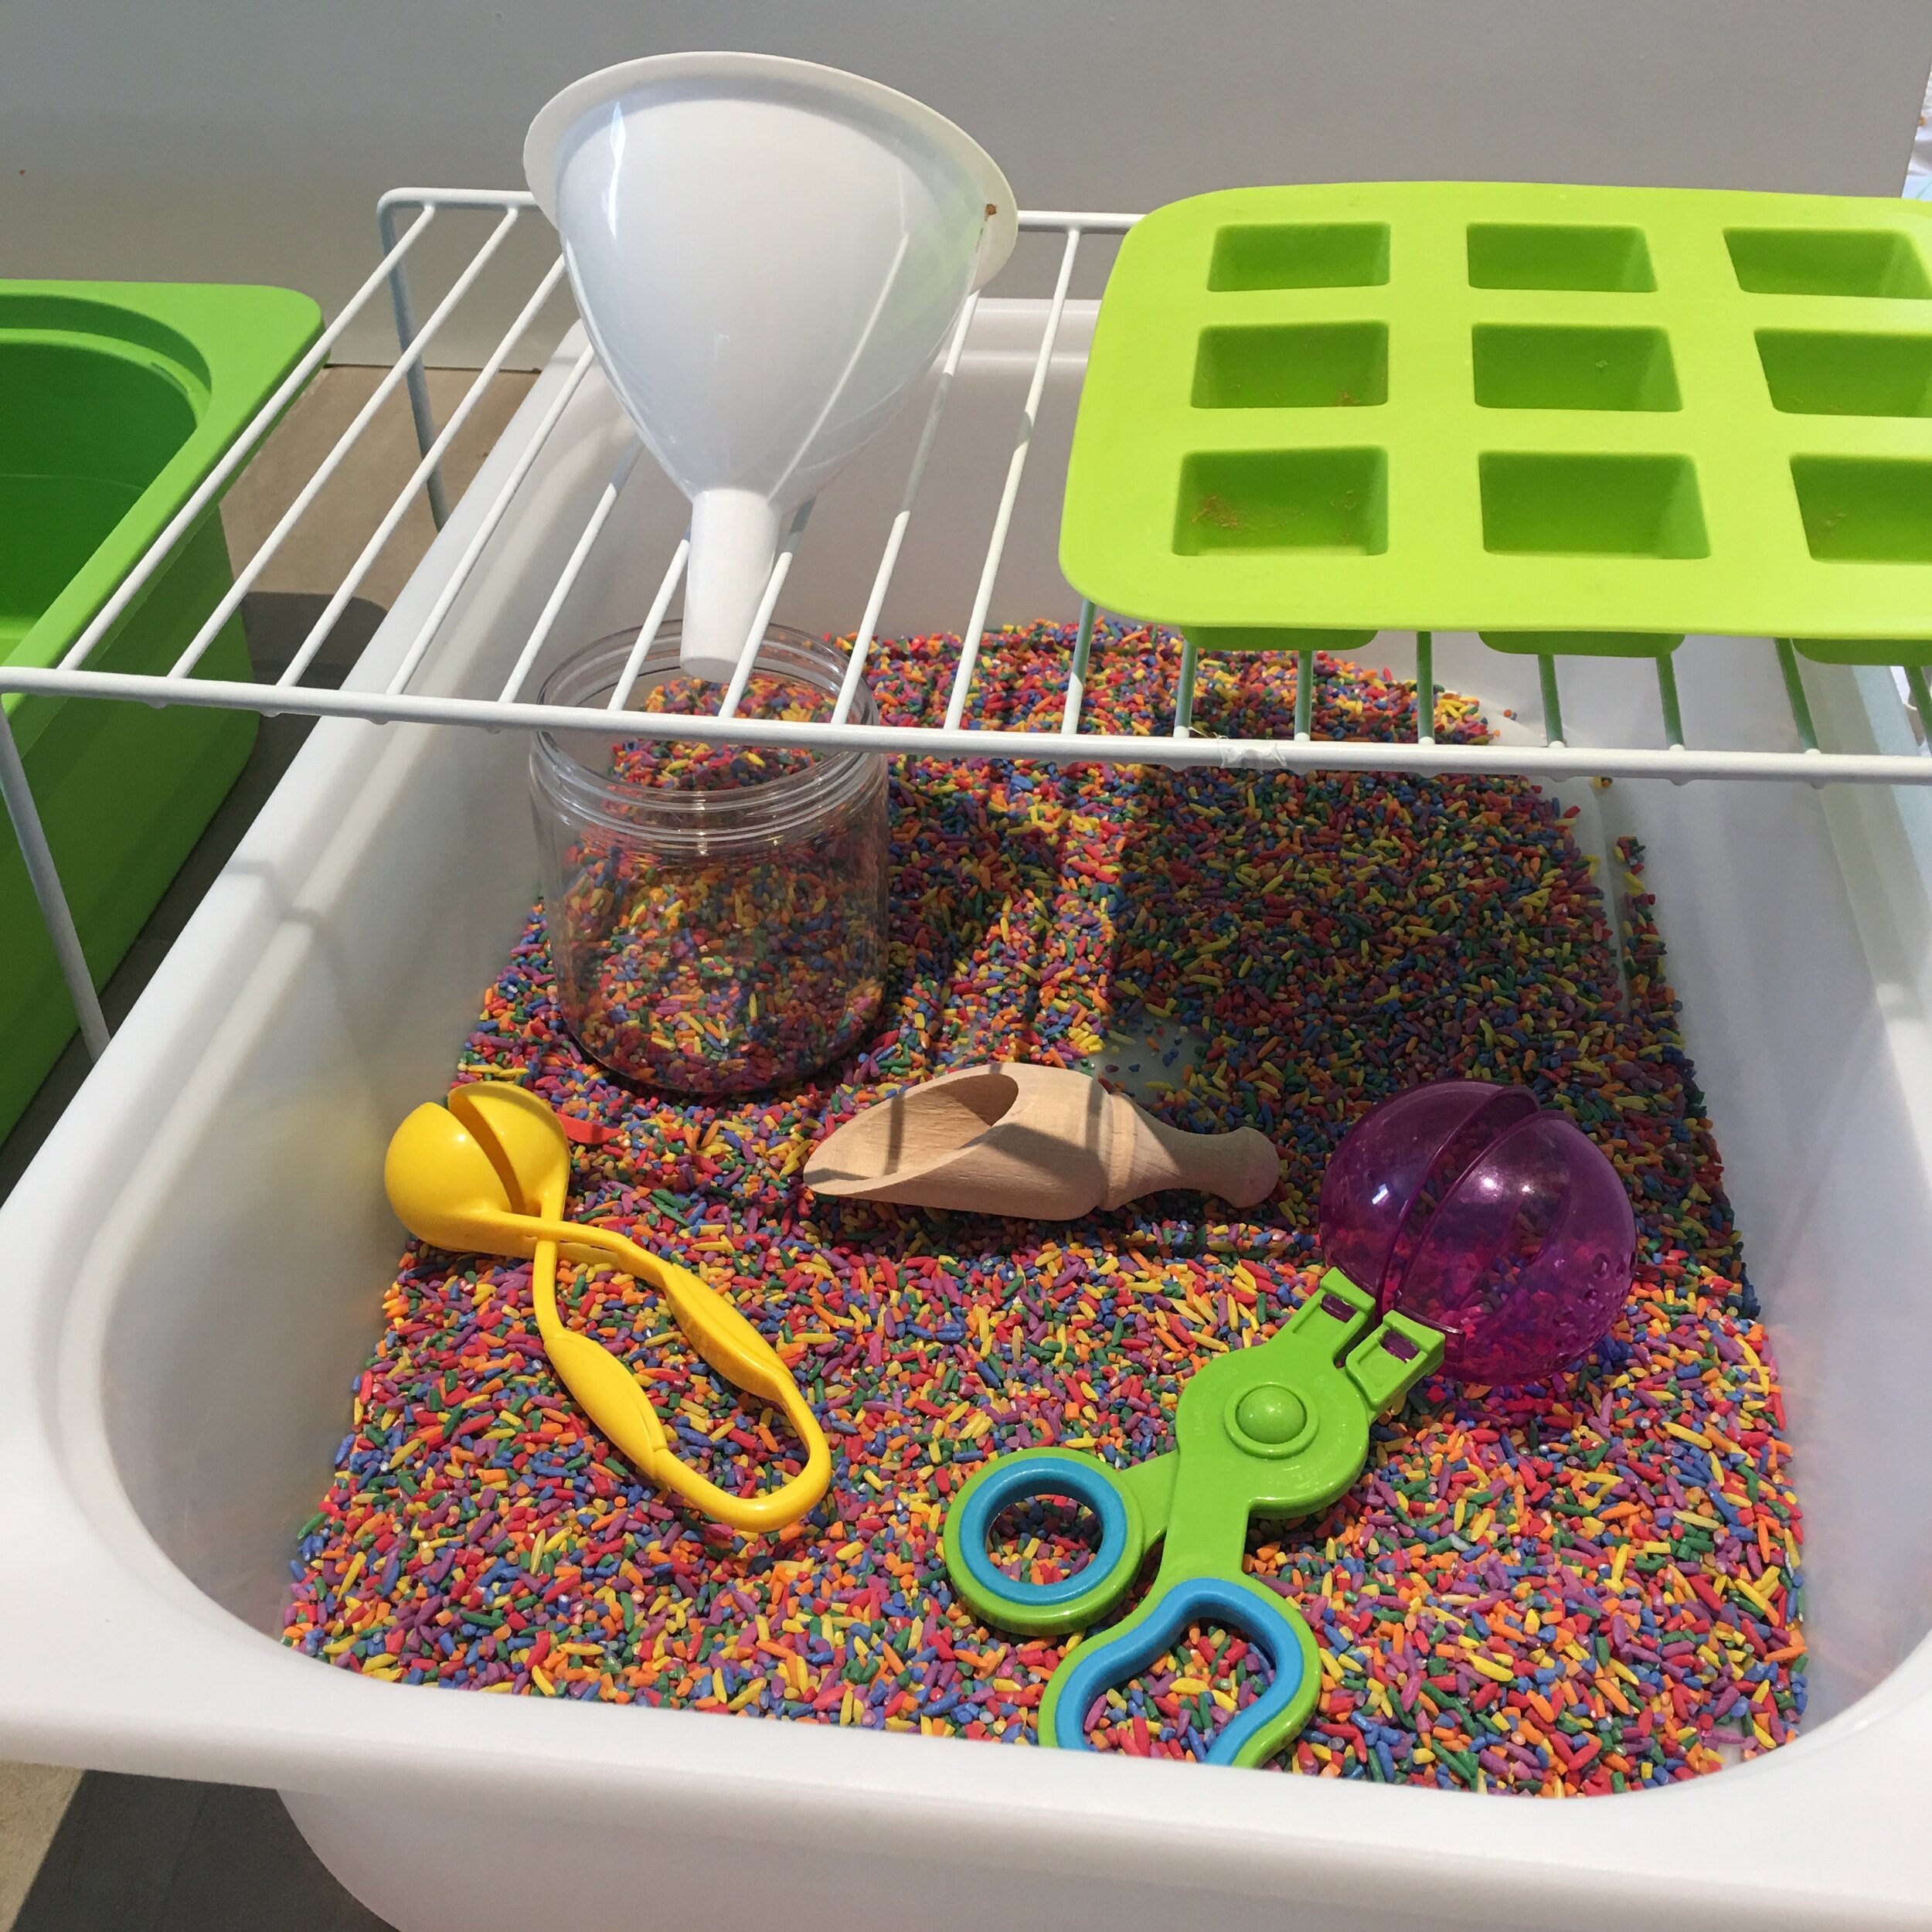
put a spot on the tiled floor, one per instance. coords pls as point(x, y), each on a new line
point(327, 540)
point(32, 1798)
point(106, 1853)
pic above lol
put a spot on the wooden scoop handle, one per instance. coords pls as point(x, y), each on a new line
point(1241, 1167)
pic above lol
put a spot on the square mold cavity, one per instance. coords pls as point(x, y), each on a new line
point(1826, 261)
point(1810, 373)
point(1328, 500)
point(1293, 366)
point(1546, 504)
point(1865, 510)
point(1559, 255)
point(1573, 368)
point(1301, 255)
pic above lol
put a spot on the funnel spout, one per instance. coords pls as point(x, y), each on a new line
point(734, 541)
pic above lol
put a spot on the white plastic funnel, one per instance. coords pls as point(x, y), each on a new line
point(767, 256)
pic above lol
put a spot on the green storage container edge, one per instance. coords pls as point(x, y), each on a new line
point(160, 774)
point(248, 336)
point(169, 769)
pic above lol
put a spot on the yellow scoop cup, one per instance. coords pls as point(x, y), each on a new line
point(489, 1175)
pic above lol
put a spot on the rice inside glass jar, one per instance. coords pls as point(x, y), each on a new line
point(717, 914)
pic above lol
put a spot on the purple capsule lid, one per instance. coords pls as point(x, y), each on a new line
point(1466, 1206)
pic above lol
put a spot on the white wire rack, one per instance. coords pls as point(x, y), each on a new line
point(405, 216)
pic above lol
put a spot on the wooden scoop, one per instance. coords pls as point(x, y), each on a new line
point(1043, 1142)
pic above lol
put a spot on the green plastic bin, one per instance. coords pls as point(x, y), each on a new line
point(116, 400)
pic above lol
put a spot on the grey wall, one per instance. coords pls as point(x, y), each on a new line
point(248, 139)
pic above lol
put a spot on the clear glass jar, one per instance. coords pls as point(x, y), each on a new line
point(716, 915)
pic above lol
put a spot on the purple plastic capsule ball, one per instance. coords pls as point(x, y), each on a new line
point(1466, 1206)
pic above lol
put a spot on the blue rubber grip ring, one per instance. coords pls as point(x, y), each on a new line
point(1028, 1476)
point(1103, 1666)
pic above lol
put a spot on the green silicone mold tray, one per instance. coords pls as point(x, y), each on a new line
point(1608, 416)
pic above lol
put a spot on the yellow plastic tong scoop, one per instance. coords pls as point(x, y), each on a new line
point(489, 1175)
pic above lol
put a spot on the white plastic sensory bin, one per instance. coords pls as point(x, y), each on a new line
point(194, 1268)
point(196, 1260)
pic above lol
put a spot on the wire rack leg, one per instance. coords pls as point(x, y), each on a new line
point(1553, 699)
point(1184, 688)
point(417, 378)
point(1794, 694)
point(1076, 672)
point(1921, 700)
point(1667, 698)
point(46, 876)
